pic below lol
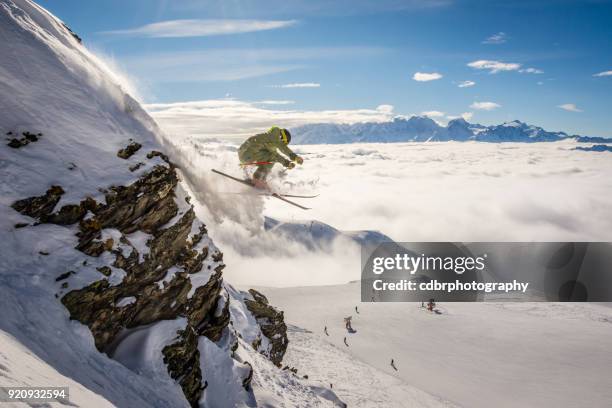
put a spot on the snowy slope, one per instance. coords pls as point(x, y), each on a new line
point(474, 354)
point(423, 129)
point(20, 368)
point(66, 118)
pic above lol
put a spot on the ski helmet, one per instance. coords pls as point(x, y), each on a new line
point(285, 136)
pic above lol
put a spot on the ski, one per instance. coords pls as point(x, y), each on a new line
point(269, 194)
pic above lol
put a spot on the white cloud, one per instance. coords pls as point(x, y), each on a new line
point(531, 71)
point(570, 107)
point(494, 66)
point(488, 106)
point(433, 114)
point(603, 74)
point(466, 84)
point(202, 28)
point(299, 85)
point(231, 118)
point(425, 76)
point(498, 38)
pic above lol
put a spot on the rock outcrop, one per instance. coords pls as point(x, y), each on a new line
point(156, 275)
point(272, 324)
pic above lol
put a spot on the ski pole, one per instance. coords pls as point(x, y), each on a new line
point(255, 163)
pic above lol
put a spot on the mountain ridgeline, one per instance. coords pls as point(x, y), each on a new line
point(424, 129)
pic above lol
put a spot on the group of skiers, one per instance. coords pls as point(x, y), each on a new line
point(348, 326)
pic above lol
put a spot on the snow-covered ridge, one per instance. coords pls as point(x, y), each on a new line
point(102, 254)
point(424, 129)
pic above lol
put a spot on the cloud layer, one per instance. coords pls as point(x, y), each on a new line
point(202, 28)
point(230, 118)
point(410, 191)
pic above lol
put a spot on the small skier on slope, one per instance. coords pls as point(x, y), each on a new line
point(393, 365)
point(262, 150)
point(347, 323)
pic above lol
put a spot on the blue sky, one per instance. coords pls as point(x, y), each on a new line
point(535, 61)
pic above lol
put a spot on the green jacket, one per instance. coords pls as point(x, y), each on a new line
point(265, 147)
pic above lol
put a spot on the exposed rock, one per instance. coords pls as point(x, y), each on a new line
point(68, 214)
point(105, 270)
point(272, 324)
point(155, 153)
point(129, 150)
point(37, 207)
point(21, 225)
point(27, 138)
point(64, 276)
point(183, 361)
point(136, 166)
point(246, 382)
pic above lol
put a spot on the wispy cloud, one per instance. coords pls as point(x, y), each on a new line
point(570, 107)
point(202, 28)
point(498, 38)
point(603, 74)
point(299, 85)
point(487, 106)
point(531, 71)
point(426, 76)
point(230, 64)
point(494, 66)
point(466, 84)
point(231, 118)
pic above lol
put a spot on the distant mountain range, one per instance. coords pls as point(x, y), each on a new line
point(424, 129)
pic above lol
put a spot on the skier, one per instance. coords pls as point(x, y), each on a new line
point(262, 150)
point(325, 331)
point(431, 304)
point(356, 310)
point(393, 365)
point(347, 323)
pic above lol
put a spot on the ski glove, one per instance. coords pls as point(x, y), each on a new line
point(299, 160)
point(290, 165)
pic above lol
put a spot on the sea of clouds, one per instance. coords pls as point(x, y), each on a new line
point(449, 191)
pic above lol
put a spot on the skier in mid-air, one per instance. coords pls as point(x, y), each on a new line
point(264, 150)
